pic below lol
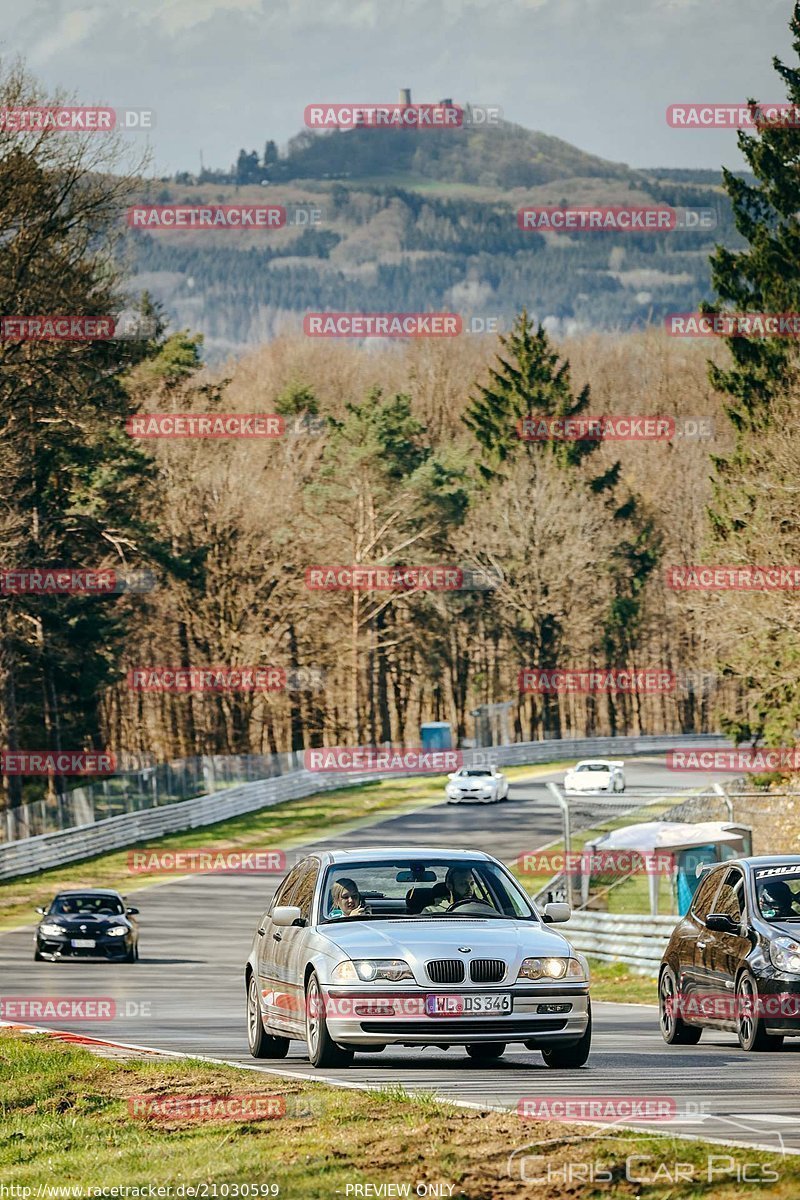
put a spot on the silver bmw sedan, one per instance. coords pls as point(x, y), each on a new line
point(362, 949)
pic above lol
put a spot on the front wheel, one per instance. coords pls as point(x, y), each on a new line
point(260, 1043)
point(569, 1058)
point(486, 1051)
point(322, 1050)
point(750, 1027)
point(674, 1029)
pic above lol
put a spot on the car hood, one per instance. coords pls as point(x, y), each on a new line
point(441, 938)
point(786, 929)
point(473, 780)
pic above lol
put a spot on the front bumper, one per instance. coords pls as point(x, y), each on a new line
point(471, 798)
point(548, 1014)
point(111, 948)
point(779, 1003)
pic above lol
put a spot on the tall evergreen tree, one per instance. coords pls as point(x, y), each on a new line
point(762, 277)
point(528, 381)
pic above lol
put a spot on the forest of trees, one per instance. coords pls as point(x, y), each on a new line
point(402, 456)
point(390, 248)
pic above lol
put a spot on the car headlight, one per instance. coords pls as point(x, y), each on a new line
point(366, 970)
point(117, 930)
point(551, 968)
point(785, 954)
point(51, 930)
point(452, 789)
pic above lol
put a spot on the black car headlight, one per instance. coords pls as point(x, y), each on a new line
point(785, 955)
point(117, 931)
point(49, 929)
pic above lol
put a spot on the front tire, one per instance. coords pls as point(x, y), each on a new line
point(486, 1051)
point(260, 1043)
point(322, 1050)
point(569, 1058)
point(674, 1029)
point(751, 1029)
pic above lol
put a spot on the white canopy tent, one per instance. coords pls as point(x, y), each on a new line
point(669, 837)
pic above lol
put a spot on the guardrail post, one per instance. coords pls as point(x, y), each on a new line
point(720, 790)
point(561, 801)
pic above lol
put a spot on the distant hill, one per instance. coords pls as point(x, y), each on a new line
point(426, 220)
point(505, 156)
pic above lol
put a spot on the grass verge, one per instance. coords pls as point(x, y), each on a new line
point(68, 1123)
point(283, 826)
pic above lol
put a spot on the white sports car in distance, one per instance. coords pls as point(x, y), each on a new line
point(484, 784)
point(595, 775)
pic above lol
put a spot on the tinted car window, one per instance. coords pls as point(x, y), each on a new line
point(288, 889)
point(304, 892)
point(706, 891)
point(778, 891)
point(730, 899)
point(92, 906)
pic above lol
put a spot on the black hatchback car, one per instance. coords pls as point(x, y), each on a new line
point(733, 962)
point(87, 923)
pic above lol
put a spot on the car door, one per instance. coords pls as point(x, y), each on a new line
point(724, 951)
point(294, 939)
point(271, 967)
point(692, 929)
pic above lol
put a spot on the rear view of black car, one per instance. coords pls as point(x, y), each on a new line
point(733, 962)
point(87, 923)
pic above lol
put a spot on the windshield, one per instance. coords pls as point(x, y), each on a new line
point(475, 773)
point(445, 888)
point(592, 767)
point(87, 906)
point(778, 891)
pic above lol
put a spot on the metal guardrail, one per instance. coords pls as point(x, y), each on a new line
point(639, 940)
point(115, 833)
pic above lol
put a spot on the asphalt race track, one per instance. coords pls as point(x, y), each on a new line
point(186, 992)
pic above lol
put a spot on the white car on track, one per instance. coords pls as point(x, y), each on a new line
point(595, 775)
point(486, 785)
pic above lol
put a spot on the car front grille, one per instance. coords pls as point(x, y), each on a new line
point(446, 970)
point(487, 970)
point(436, 1027)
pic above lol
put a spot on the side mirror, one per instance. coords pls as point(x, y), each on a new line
point(722, 923)
point(286, 915)
point(556, 912)
point(132, 912)
point(452, 775)
point(41, 910)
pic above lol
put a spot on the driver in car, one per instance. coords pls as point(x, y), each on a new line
point(458, 882)
point(777, 899)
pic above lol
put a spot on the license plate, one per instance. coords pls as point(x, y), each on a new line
point(83, 943)
point(478, 1004)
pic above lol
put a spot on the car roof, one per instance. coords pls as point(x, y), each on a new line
point(756, 860)
point(390, 853)
point(88, 891)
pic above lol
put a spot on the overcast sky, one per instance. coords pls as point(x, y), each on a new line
point(222, 74)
